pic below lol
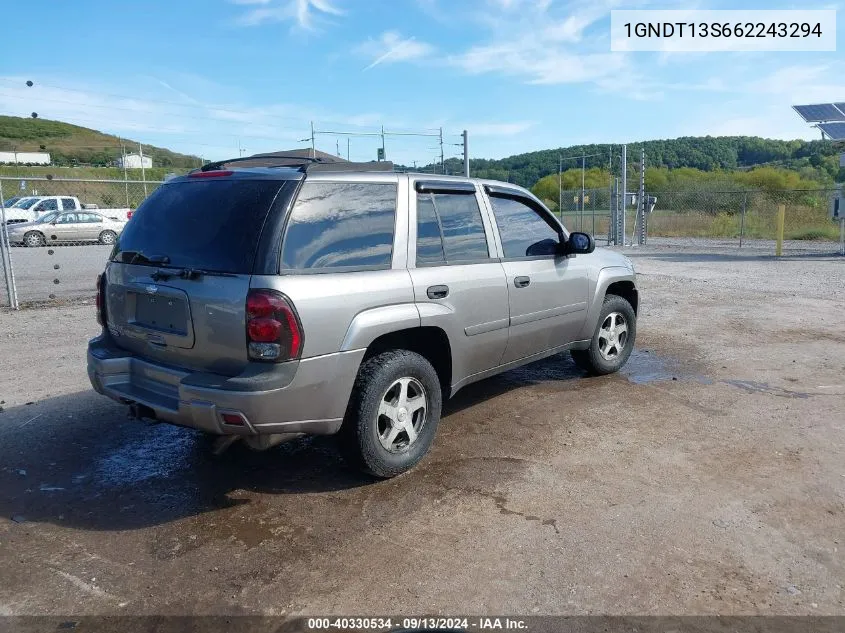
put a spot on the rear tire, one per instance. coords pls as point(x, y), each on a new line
point(612, 341)
point(34, 239)
point(393, 413)
point(108, 237)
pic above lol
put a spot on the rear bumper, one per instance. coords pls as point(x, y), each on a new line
point(306, 396)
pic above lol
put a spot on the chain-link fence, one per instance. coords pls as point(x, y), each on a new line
point(588, 211)
point(58, 234)
point(746, 219)
point(60, 231)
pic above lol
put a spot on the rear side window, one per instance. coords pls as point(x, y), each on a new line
point(209, 224)
point(341, 225)
point(68, 204)
point(449, 229)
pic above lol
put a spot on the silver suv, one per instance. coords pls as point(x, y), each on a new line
point(259, 300)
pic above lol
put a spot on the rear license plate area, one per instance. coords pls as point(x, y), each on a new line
point(162, 313)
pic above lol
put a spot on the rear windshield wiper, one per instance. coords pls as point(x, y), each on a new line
point(163, 274)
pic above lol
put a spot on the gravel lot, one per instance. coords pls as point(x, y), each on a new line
point(707, 478)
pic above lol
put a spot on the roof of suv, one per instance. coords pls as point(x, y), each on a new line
point(298, 164)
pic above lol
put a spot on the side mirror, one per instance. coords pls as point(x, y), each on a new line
point(580, 244)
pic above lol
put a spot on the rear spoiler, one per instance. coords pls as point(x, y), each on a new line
point(297, 161)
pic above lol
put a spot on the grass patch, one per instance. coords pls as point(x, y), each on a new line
point(815, 233)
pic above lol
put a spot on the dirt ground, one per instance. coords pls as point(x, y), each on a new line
point(707, 478)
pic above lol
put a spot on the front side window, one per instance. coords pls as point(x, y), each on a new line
point(341, 225)
point(449, 228)
point(524, 230)
point(47, 205)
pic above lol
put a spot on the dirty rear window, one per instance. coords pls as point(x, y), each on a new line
point(210, 224)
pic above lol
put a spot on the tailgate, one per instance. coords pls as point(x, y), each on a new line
point(196, 324)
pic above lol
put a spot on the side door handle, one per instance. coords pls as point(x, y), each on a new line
point(437, 292)
point(521, 282)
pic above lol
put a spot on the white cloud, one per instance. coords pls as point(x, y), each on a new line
point(392, 47)
point(194, 125)
point(540, 63)
point(301, 12)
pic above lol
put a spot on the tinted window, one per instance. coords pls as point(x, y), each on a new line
point(524, 231)
point(211, 224)
point(68, 203)
point(341, 224)
point(429, 239)
point(460, 221)
point(47, 205)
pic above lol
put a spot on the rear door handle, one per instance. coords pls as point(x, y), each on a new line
point(437, 292)
point(521, 282)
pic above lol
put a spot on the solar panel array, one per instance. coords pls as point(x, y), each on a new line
point(835, 131)
point(821, 112)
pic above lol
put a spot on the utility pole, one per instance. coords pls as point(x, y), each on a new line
point(560, 185)
point(337, 144)
point(610, 177)
point(641, 203)
point(624, 192)
point(442, 163)
point(313, 146)
point(347, 148)
point(125, 173)
point(583, 167)
point(466, 154)
point(383, 149)
point(143, 172)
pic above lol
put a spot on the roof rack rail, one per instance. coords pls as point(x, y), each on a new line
point(298, 160)
point(382, 165)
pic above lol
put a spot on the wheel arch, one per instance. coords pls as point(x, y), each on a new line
point(616, 280)
point(430, 342)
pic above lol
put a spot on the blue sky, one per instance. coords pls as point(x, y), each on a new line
point(208, 76)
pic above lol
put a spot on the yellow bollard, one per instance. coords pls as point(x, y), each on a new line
point(781, 218)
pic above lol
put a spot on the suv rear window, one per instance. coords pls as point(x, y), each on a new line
point(211, 224)
point(341, 225)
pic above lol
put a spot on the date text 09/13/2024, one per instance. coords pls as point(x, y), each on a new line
point(424, 622)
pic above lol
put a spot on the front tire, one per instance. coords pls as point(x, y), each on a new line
point(393, 413)
point(612, 341)
point(34, 239)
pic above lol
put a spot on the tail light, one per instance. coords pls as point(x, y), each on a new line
point(101, 299)
point(273, 331)
point(129, 214)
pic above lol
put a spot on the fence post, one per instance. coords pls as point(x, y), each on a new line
point(742, 219)
point(781, 218)
point(6, 252)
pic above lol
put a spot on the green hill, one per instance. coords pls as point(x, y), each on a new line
point(71, 145)
point(812, 160)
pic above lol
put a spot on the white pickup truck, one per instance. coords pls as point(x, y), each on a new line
point(30, 208)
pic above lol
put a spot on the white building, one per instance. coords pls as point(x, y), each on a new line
point(135, 161)
point(25, 158)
